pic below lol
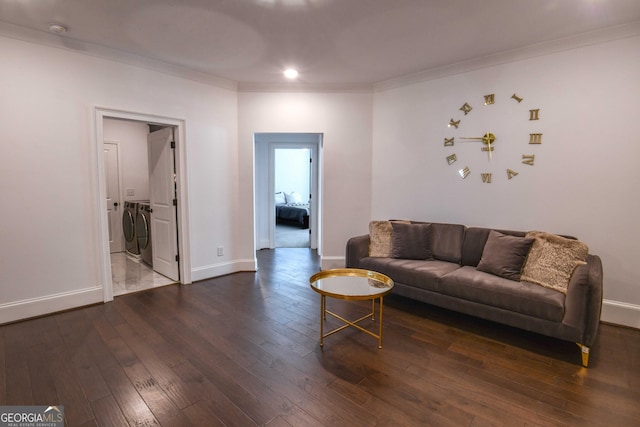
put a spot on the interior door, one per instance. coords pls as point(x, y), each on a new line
point(163, 200)
point(312, 220)
point(114, 204)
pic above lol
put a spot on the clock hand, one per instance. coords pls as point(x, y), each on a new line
point(488, 138)
point(488, 141)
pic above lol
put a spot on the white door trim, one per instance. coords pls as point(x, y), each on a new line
point(101, 113)
point(313, 141)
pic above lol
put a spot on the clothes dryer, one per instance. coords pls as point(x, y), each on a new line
point(143, 232)
point(129, 229)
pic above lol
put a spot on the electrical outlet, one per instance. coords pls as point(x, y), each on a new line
point(131, 192)
point(220, 250)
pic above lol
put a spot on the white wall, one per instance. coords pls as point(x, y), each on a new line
point(134, 155)
point(584, 182)
point(49, 228)
point(345, 120)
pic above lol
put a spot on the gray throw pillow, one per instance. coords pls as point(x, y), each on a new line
point(504, 255)
point(411, 241)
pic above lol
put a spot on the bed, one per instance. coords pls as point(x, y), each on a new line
point(289, 210)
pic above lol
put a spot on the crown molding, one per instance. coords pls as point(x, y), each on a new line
point(92, 49)
point(298, 87)
point(96, 50)
point(64, 42)
point(540, 49)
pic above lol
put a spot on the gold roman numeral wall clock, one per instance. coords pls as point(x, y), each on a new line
point(493, 137)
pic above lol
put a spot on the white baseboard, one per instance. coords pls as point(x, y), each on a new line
point(215, 270)
point(621, 313)
point(19, 310)
point(264, 244)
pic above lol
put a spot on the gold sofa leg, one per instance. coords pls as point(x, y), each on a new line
point(585, 354)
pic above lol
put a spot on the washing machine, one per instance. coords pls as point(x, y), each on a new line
point(143, 232)
point(129, 229)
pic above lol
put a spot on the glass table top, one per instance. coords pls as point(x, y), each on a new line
point(351, 283)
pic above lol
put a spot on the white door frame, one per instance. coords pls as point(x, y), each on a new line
point(100, 114)
point(290, 140)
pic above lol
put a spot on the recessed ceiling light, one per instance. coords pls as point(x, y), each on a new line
point(57, 28)
point(290, 73)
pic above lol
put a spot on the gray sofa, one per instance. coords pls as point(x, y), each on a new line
point(449, 278)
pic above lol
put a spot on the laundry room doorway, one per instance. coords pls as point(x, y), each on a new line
point(151, 181)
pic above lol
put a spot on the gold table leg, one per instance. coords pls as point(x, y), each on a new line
point(380, 333)
point(323, 317)
point(347, 323)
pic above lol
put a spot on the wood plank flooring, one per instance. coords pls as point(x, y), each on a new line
point(242, 350)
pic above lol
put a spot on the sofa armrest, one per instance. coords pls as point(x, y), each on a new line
point(357, 248)
point(583, 304)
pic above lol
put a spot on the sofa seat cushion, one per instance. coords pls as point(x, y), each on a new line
point(521, 297)
point(423, 274)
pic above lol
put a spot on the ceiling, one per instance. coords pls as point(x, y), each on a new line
point(330, 42)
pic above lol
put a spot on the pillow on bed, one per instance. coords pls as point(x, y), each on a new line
point(280, 199)
point(293, 197)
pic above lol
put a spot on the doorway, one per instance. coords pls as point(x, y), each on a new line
point(163, 173)
point(300, 189)
point(293, 197)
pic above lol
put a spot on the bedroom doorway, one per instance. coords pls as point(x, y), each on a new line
point(292, 184)
point(287, 190)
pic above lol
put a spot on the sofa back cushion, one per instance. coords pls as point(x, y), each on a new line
point(474, 240)
point(446, 241)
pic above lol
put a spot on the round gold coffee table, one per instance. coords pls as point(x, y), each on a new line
point(351, 284)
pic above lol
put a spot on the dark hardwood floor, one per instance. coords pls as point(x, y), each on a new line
point(242, 350)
